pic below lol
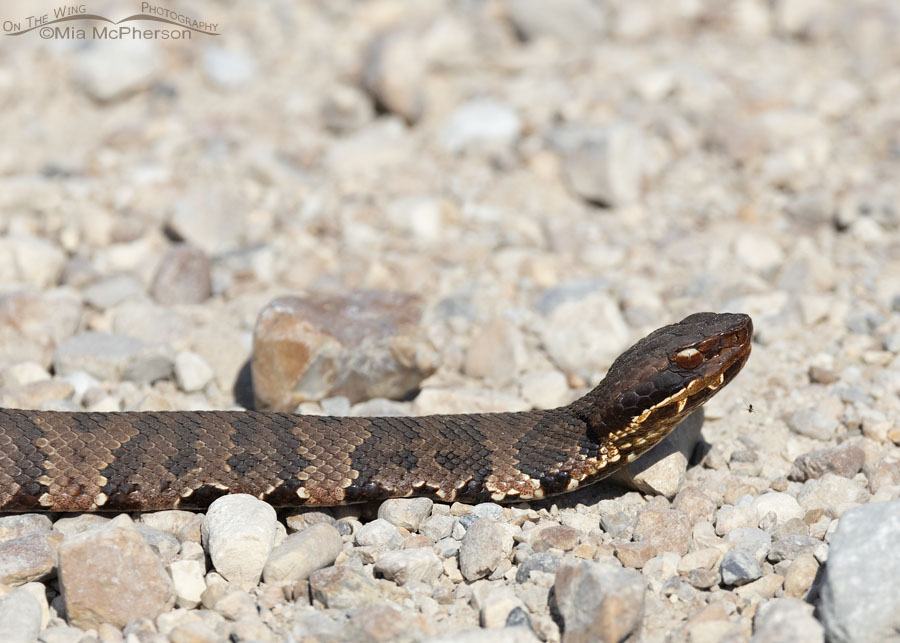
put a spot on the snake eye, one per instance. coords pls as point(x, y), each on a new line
point(688, 358)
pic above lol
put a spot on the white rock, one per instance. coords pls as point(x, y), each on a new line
point(20, 617)
point(422, 217)
point(192, 372)
point(378, 533)
point(784, 505)
point(302, 553)
point(239, 533)
point(30, 260)
point(497, 352)
point(758, 252)
point(23, 373)
point(394, 73)
point(481, 122)
point(405, 512)
point(584, 336)
point(405, 565)
point(545, 389)
point(606, 166)
point(109, 70)
point(187, 577)
point(227, 68)
point(437, 400)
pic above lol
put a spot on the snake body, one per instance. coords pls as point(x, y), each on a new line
point(83, 461)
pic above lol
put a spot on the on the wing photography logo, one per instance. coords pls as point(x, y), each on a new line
point(73, 22)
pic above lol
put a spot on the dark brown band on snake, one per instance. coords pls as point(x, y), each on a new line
point(58, 461)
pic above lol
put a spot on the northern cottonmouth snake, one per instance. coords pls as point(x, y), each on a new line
point(60, 461)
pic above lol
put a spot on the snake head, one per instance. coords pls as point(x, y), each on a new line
point(664, 377)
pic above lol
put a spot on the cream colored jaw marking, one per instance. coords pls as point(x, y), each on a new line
point(681, 398)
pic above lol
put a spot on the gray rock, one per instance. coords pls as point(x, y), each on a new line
point(859, 599)
point(598, 601)
point(578, 22)
point(752, 539)
point(61, 634)
point(437, 526)
point(481, 123)
point(481, 550)
point(543, 562)
point(152, 324)
point(239, 534)
point(17, 525)
point(29, 557)
point(302, 553)
point(182, 277)
point(407, 513)
point(109, 292)
point(812, 424)
point(617, 524)
point(378, 533)
point(112, 358)
point(405, 565)
point(166, 546)
point(342, 587)
point(661, 471)
point(739, 567)
point(20, 617)
point(574, 290)
point(489, 510)
point(365, 345)
point(786, 620)
point(793, 545)
point(846, 461)
point(606, 166)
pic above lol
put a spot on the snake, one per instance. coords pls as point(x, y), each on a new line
point(63, 461)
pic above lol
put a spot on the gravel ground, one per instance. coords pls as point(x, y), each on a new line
point(549, 181)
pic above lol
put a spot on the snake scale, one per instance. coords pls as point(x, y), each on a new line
point(83, 461)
